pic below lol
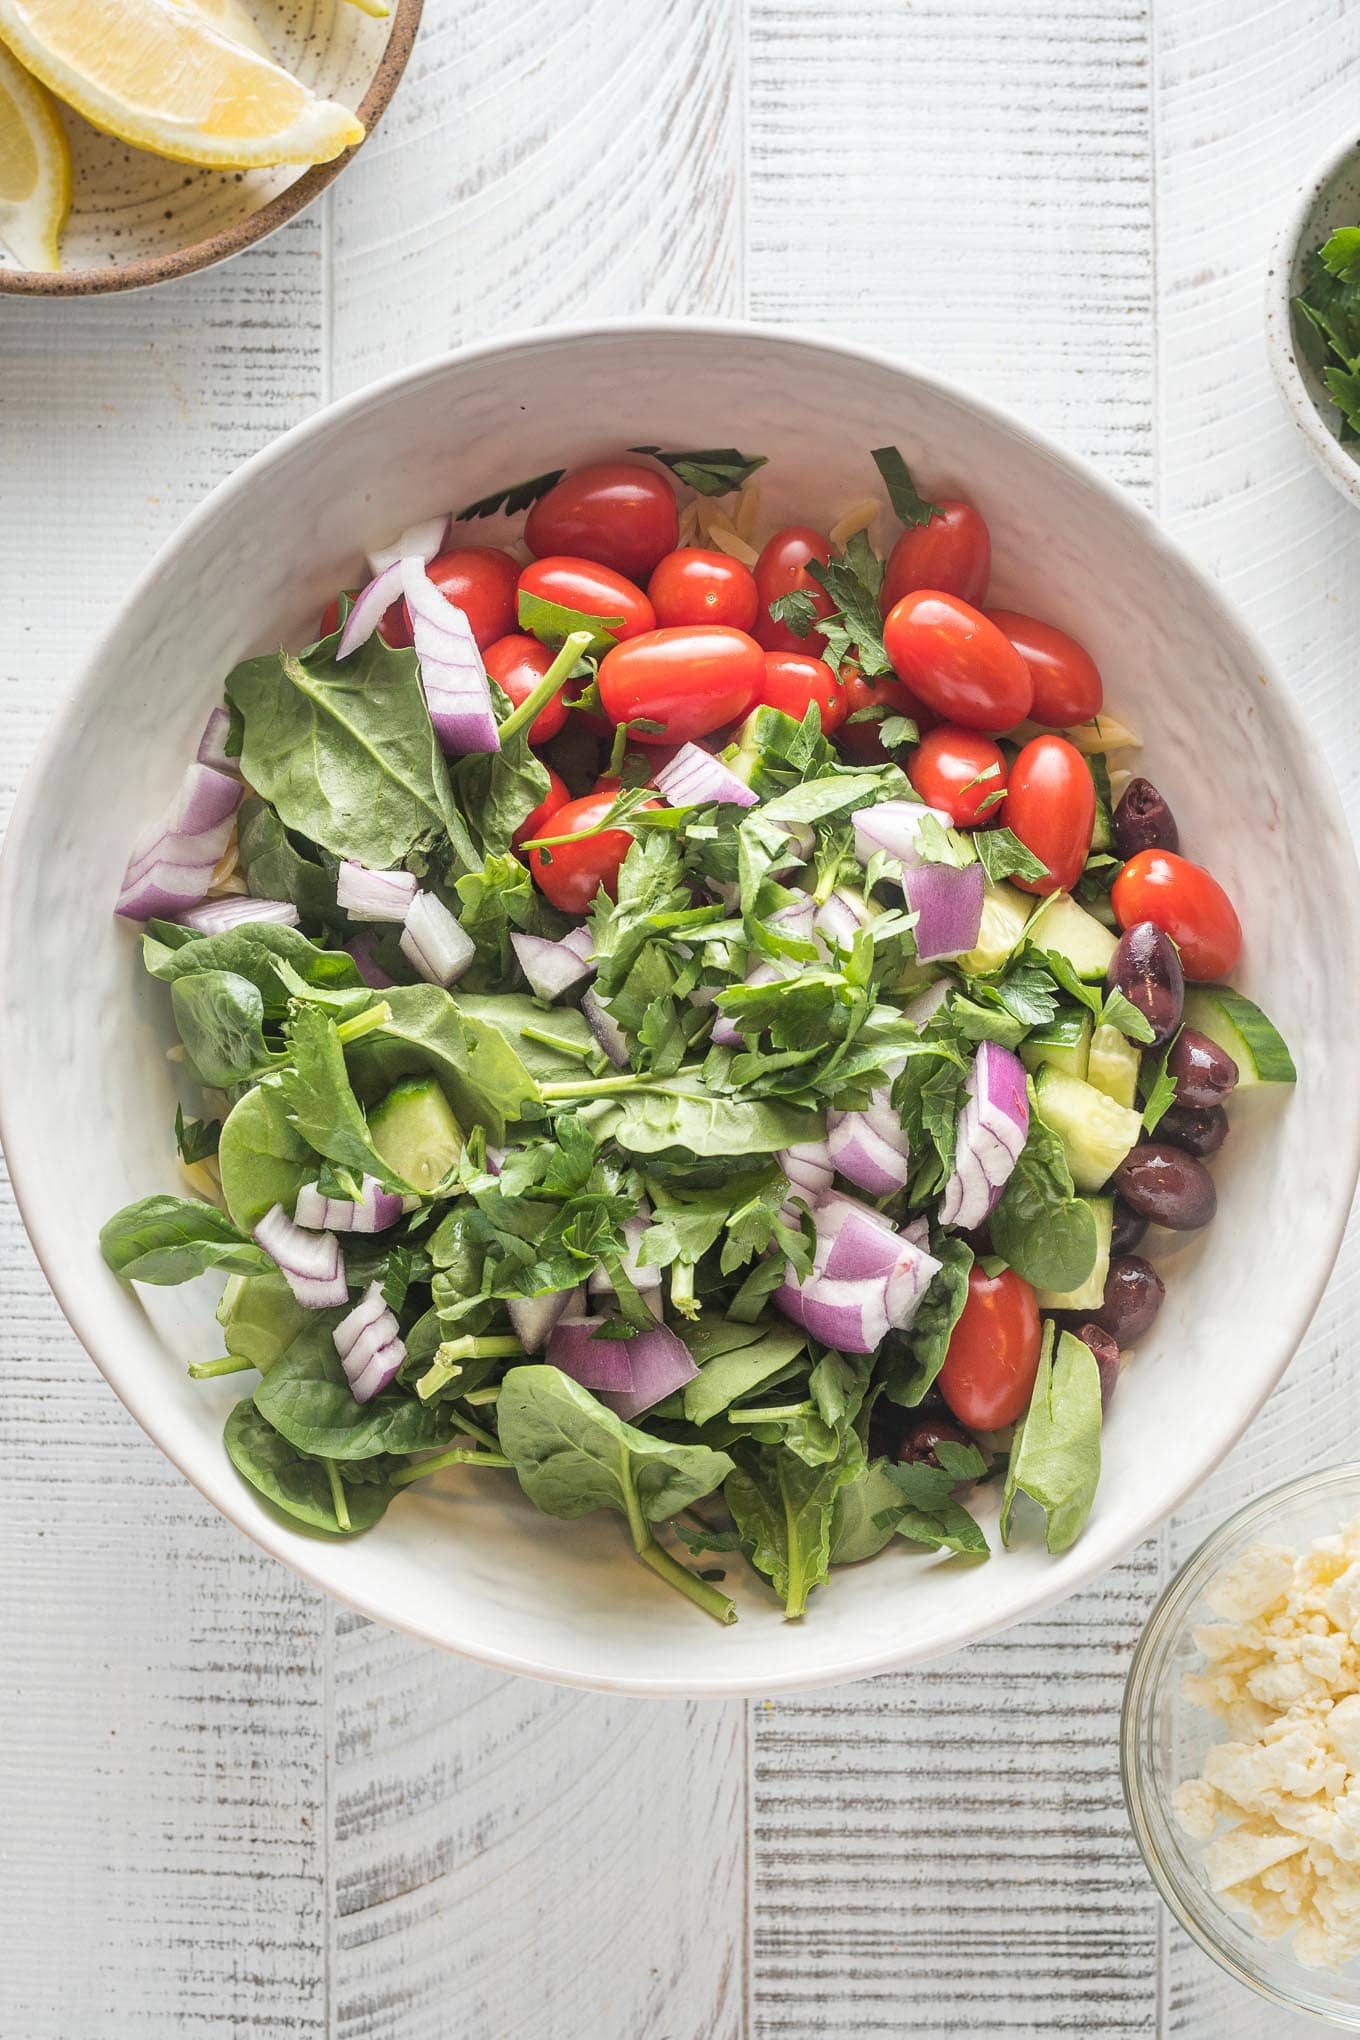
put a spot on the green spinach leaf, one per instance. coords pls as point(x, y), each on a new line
point(308, 1400)
point(165, 1240)
point(298, 1485)
point(220, 1020)
point(263, 1159)
point(939, 1311)
point(573, 1455)
point(458, 1042)
point(1055, 1454)
point(1041, 1228)
point(275, 869)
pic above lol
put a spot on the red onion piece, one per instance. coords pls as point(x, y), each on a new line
point(809, 1169)
point(893, 826)
point(369, 1343)
point(869, 1148)
point(581, 943)
point(854, 1242)
point(421, 542)
point(368, 895)
point(947, 902)
point(797, 918)
point(533, 1317)
point(660, 1362)
point(360, 947)
point(375, 1210)
point(551, 967)
point(457, 692)
point(214, 917)
point(840, 917)
point(908, 1283)
point(916, 1232)
point(434, 943)
point(212, 745)
point(171, 864)
point(596, 1363)
point(641, 1278)
point(802, 843)
point(370, 606)
point(993, 1127)
point(311, 1263)
point(694, 777)
point(922, 1009)
point(605, 1028)
point(851, 1316)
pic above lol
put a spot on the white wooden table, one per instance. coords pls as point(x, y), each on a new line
point(228, 1807)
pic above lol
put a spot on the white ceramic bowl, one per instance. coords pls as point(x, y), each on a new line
point(86, 1097)
point(1329, 197)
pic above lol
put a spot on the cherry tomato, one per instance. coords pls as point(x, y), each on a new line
point(615, 512)
point(993, 1358)
point(517, 664)
point(556, 797)
point(794, 680)
point(690, 681)
point(782, 569)
point(953, 552)
point(1051, 806)
point(570, 874)
point(478, 579)
point(946, 769)
point(1067, 686)
point(1187, 904)
point(861, 739)
point(693, 586)
point(594, 590)
point(958, 662)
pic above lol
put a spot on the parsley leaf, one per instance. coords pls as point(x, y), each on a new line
point(196, 1139)
point(796, 609)
point(855, 629)
point(1120, 1012)
point(552, 623)
point(517, 497)
point(713, 471)
point(1159, 1089)
point(909, 504)
point(929, 1514)
point(1341, 254)
point(1003, 855)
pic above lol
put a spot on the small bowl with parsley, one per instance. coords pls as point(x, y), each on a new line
point(1313, 315)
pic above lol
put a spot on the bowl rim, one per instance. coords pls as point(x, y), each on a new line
point(44, 1230)
point(1341, 468)
point(112, 278)
point(1166, 1614)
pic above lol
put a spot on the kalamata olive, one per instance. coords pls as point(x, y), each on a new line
point(1129, 1228)
point(1167, 1186)
point(1200, 1132)
point(1106, 1355)
point(1147, 970)
point(1133, 1297)
point(1204, 1073)
point(1143, 821)
point(921, 1438)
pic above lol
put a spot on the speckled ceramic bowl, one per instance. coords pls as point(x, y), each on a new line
point(1328, 198)
point(87, 1098)
point(138, 219)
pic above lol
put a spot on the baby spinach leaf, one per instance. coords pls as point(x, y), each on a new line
point(493, 903)
point(1041, 1228)
point(497, 790)
point(254, 951)
point(713, 471)
point(166, 1240)
point(685, 1116)
point(459, 1042)
point(321, 1101)
point(908, 503)
point(307, 1399)
point(263, 1159)
point(783, 1508)
point(733, 1359)
point(573, 1455)
point(1055, 1455)
point(275, 869)
point(294, 1482)
point(220, 1020)
point(519, 496)
point(939, 1311)
point(864, 1515)
point(259, 1316)
point(196, 1139)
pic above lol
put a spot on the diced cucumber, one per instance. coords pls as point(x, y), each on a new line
point(259, 1316)
point(1243, 1030)
point(1113, 1065)
point(1096, 1134)
point(1064, 1042)
point(1090, 1294)
point(1005, 910)
point(415, 1132)
point(1066, 929)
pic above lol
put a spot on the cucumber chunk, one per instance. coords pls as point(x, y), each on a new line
point(1005, 911)
point(1090, 1294)
point(1242, 1029)
point(1064, 1042)
point(415, 1132)
point(1096, 1134)
point(1113, 1065)
point(1066, 929)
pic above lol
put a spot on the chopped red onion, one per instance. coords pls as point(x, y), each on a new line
point(311, 1263)
point(660, 1363)
point(418, 542)
point(641, 1278)
point(171, 864)
point(893, 826)
point(854, 1242)
point(551, 967)
point(371, 605)
point(869, 1147)
point(434, 943)
point(809, 1169)
point(908, 1283)
point(917, 1232)
point(375, 1210)
point(851, 1316)
point(533, 1317)
point(694, 777)
point(796, 918)
point(369, 1343)
point(495, 1160)
point(947, 902)
point(457, 692)
point(212, 745)
point(726, 1033)
point(993, 1128)
point(802, 843)
point(922, 1009)
point(213, 917)
point(841, 916)
point(596, 1363)
point(360, 947)
point(605, 1028)
point(581, 942)
point(368, 895)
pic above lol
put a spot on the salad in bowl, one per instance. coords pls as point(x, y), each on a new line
point(697, 1019)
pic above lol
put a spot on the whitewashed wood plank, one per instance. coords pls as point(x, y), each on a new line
point(162, 1706)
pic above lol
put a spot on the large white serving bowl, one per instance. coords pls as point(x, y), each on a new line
point(87, 1097)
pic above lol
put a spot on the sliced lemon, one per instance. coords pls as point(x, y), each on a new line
point(231, 18)
point(379, 9)
point(35, 169)
point(162, 77)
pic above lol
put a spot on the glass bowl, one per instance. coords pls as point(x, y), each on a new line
point(1164, 1737)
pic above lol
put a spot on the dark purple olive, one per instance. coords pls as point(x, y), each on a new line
point(1200, 1133)
point(920, 1439)
point(1204, 1073)
point(1143, 821)
point(1147, 970)
point(1133, 1297)
point(1129, 1228)
point(1106, 1355)
point(1166, 1186)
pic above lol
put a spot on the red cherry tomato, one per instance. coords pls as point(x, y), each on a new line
point(556, 797)
point(517, 664)
point(1051, 806)
point(946, 769)
point(794, 680)
point(781, 570)
point(1187, 904)
point(993, 1358)
point(861, 739)
point(958, 662)
point(615, 512)
point(1067, 686)
point(594, 590)
point(690, 681)
point(953, 552)
point(570, 874)
point(478, 579)
point(692, 586)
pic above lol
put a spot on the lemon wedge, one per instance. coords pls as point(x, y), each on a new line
point(35, 169)
point(161, 76)
point(378, 9)
point(232, 20)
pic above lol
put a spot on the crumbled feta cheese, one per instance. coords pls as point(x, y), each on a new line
point(1282, 1671)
